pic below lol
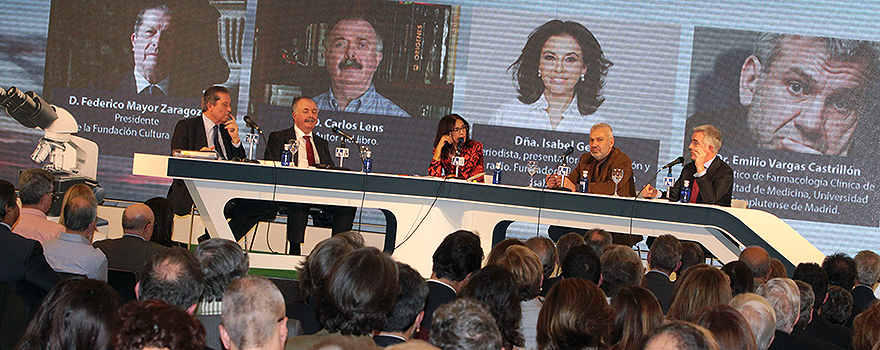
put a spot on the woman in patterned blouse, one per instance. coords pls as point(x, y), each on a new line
point(452, 133)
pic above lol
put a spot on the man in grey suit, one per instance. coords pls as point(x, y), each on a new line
point(132, 251)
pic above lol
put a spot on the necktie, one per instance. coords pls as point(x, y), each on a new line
point(695, 191)
point(217, 147)
point(309, 154)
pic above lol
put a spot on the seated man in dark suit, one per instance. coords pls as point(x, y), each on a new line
point(784, 297)
point(214, 130)
point(458, 256)
point(819, 327)
point(868, 268)
point(663, 259)
point(710, 178)
point(311, 150)
point(132, 251)
point(408, 311)
point(24, 265)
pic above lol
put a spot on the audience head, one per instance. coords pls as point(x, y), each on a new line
point(253, 315)
point(728, 326)
point(838, 308)
point(222, 261)
point(637, 312)
point(410, 303)
point(359, 292)
point(459, 255)
point(313, 271)
point(665, 254)
point(866, 328)
point(783, 295)
point(163, 214)
point(758, 260)
point(80, 214)
point(500, 249)
point(807, 300)
point(138, 219)
point(352, 237)
point(760, 316)
point(154, 324)
point(566, 242)
point(72, 192)
point(598, 239)
point(582, 262)
point(741, 278)
point(9, 210)
point(621, 266)
point(816, 277)
point(564, 322)
point(35, 188)
point(777, 268)
point(496, 287)
point(464, 324)
point(701, 286)
point(173, 276)
point(841, 270)
point(691, 254)
point(680, 335)
point(76, 314)
point(526, 269)
point(867, 268)
point(415, 344)
point(546, 251)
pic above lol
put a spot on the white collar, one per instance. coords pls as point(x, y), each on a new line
point(142, 82)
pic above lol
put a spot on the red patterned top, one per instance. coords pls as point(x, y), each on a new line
point(473, 162)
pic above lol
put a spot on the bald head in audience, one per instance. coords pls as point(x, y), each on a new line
point(680, 335)
point(757, 259)
point(173, 276)
point(138, 219)
point(253, 315)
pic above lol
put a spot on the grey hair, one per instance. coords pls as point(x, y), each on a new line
point(783, 295)
point(759, 315)
point(868, 267)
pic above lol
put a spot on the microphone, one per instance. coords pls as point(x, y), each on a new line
point(343, 134)
point(252, 124)
point(459, 145)
point(568, 151)
point(673, 163)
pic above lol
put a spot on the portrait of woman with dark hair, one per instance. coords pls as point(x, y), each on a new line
point(559, 78)
point(453, 141)
point(76, 314)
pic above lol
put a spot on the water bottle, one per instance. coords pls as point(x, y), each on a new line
point(496, 174)
point(368, 161)
point(585, 182)
point(685, 196)
point(286, 155)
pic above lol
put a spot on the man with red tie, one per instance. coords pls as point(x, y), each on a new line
point(710, 177)
point(311, 150)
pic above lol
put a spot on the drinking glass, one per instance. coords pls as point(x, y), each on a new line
point(616, 176)
point(532, 168)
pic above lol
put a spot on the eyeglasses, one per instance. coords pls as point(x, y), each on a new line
point(461, 128)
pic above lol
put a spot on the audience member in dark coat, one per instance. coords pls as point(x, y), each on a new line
point(664, 258)
point(24, 265)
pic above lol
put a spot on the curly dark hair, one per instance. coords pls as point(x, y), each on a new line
point(359, 293)
point(444, 126)
point(157, 324)
point(588, 91)
point(841, 269)
point(496, 287)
